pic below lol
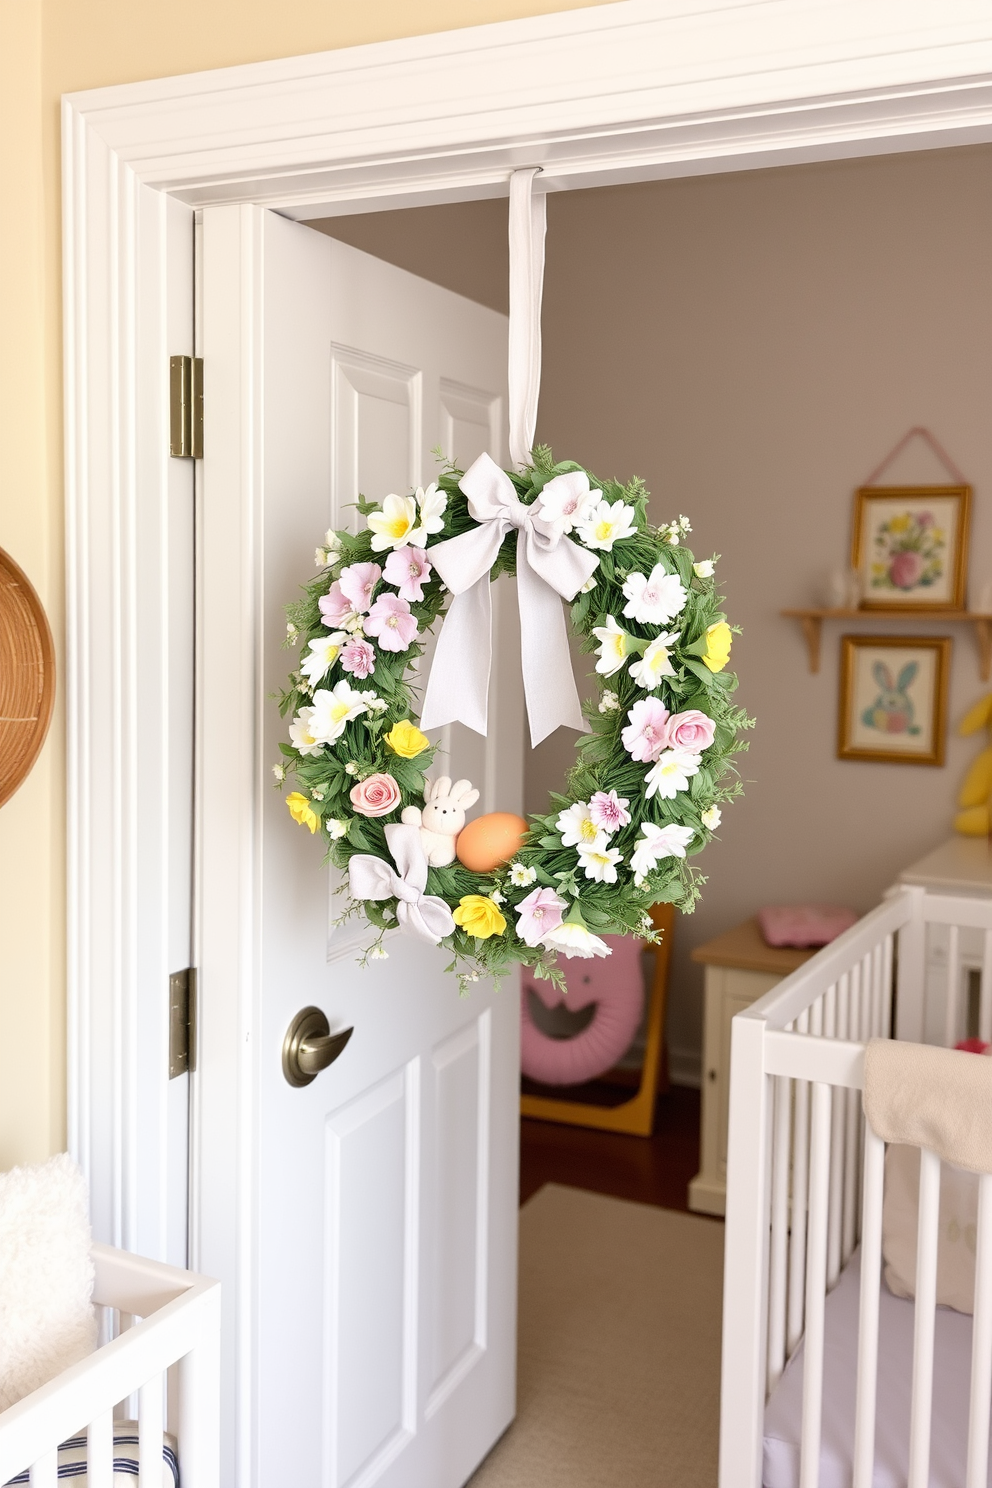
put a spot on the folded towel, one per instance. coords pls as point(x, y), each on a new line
point(925, 1096)
point(804, 924)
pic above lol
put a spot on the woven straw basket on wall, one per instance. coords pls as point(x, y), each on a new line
point(27, 676)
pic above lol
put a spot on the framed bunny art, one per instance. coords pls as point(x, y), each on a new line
point(893, 698)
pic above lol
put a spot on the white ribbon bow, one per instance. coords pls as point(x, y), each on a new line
point(550, 568)
point(420, 914)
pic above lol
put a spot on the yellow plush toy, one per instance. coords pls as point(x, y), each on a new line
point(975, 796)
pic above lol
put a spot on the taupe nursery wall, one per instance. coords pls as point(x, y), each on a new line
point(752, 345)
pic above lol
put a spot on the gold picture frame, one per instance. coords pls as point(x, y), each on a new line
point(893, 698)
point(910, 547)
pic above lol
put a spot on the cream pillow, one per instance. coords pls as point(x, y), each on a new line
point(47, 1321)
point(958, 1226)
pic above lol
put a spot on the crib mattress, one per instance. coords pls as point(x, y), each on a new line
point(952, 1377)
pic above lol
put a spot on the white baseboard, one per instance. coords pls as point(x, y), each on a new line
point(685, 1067)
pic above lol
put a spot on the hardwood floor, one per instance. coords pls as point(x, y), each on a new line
point(650, 1170)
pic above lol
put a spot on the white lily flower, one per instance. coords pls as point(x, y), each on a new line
point(302, 735)
point(575, 940)
point(578, 829)
point(567, 500)
point(656, 843)
point(394, 526)
point(433, 504)
point(712, 818)
point(656, 599)
point(521, 877)
point(334, 827)
point(607, 523)
point(600, 864)
point(321, 656)
point(671, 773)
point(655, 663)
point(333, 709)
point(704, 568)
point(613, 647)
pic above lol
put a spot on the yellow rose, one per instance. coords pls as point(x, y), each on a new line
point(406, 740)
point(479, 916)
point(899, 523)
point(718, 642)
point(301, 811)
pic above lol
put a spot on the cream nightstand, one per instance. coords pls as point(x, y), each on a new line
point(740, 968)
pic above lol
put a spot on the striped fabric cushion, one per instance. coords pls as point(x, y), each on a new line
point(72, 1458)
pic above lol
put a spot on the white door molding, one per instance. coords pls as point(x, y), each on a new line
point(637, 90)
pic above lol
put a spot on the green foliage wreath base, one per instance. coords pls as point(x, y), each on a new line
point(602, 763)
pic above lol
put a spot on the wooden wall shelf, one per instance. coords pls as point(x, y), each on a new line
point(812, 624)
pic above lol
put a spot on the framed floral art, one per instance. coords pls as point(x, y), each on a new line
point(910, 546)
point(893, 698)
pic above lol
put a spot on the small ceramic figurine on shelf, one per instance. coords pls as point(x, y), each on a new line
point(442, 818)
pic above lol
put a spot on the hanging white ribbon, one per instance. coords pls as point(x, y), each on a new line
point(420, 914)
point(550, 568)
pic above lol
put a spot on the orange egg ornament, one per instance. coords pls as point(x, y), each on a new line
point(489, 841)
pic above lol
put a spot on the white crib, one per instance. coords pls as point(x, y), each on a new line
point(162, 1332)
point(804, 1191)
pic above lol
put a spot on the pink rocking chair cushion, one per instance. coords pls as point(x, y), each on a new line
point(616, 986)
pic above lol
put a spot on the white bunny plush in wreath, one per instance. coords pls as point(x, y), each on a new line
point(442, 818)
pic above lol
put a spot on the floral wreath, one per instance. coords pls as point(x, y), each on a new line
point(645, 793)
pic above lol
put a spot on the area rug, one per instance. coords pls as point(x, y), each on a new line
point(619, 1348)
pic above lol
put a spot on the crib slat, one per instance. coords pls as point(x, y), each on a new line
point(953, 989)
point(837, 1143)
point(851, 1103)
point(885, 1028)
point(981, 1345)
point(778, 1256)
point(150, 1433)
point(923, 1328)
point(45, 1472)
point(100, 1451)
point(797, 1238)
point(871, 1260)
point(816, 1287)
point(985, 997)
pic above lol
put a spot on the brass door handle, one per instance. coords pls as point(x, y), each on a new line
point(310, 1046)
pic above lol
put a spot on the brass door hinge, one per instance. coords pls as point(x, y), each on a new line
point(182, 1021)
point(186, 407)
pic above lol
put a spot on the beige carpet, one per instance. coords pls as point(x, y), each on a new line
point(619, 1353)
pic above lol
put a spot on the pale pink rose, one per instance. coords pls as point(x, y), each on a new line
point(905, 570)
point(541, 912)
point(376, 796)
point(646, 734)
point(408, 569)
point(608, 810)
point(358, 657)
point(357, 583)
point(391, 623)
point(691, 730)
point(334, 607)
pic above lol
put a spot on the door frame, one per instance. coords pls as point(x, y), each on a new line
point(427, 119)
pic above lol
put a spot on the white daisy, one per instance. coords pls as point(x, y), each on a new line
point(394, 526)
point(522, 877)
point(712, 817)
point(656, 843)
point(433, 504)
point(613, 647)
point(578, 829)
point(656, 599)
point(575, 940)
point(600, 863)
point(607, 523)
point(302, 735)
point(568, 500)
point(321, 656)
point(671, 774)
point(655, 663)
point(332, 710)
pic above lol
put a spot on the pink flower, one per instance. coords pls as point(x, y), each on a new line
point(391, 622)
point(646, 734)
point(905, 570)
point(358, 657)
point(538, 914)
point(691, 730)
point(608, 811)
point(408, 569)
point(357, 582)
point(376, 796)
point(334, 607)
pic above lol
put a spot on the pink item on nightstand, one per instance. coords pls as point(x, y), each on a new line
point(616, 985)
point(804, 924)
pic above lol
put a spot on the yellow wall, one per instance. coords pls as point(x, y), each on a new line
point(47, 48)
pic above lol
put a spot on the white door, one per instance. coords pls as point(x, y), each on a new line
point(364, 1226)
